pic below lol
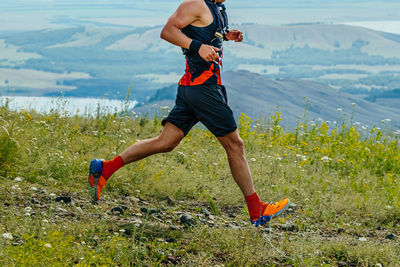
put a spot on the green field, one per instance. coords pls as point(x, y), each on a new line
point(344, 188)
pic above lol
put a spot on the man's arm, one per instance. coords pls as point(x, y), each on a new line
point(187, 13)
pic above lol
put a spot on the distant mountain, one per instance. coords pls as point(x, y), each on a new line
point(260, 97)
point(84, 60)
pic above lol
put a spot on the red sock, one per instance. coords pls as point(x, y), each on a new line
point(111, 166)
point(254, 205)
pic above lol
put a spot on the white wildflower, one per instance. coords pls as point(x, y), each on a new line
point(253, 159)
point(339, 109)
point(47, 246)
point(326, 159)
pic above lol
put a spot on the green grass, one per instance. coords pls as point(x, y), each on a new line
point(345, 186)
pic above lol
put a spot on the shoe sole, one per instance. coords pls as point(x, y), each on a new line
point(264, 219)
point(95, 170)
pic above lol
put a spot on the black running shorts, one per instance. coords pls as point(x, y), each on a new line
point(206, 103)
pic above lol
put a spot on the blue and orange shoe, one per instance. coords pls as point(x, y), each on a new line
point(95, 179)
point(271, 210)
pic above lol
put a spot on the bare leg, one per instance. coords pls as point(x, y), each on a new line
point(169, 138)
point(234, 147)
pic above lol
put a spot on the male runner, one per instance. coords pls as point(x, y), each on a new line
point(198, 27)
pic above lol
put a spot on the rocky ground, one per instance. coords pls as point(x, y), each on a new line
point(168, 221)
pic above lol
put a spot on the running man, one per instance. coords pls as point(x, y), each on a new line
point(198, 27)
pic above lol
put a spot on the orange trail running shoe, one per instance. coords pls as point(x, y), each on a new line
point(95, 179)
point(271, 210)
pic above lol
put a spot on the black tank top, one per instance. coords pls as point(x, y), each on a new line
point(198, 70)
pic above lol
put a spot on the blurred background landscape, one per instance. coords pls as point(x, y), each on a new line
point(323, 58)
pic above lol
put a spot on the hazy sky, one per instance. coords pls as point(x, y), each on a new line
point(37, 14)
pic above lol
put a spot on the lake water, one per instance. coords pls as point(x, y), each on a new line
point(68, 105)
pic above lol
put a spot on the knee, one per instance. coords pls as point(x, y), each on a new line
point(165, 147)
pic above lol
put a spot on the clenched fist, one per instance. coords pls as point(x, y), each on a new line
point(209, 53)
point(234, 35)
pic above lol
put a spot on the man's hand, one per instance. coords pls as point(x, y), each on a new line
point(234, 35)
point(208, 52)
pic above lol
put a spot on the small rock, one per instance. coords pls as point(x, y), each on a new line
point(117, 210)
point(362, 239)
point(61, 210)
point(15, 187)
point(8, 236)
point(148, 210)
point(124, 207)
point(289, 226)
point(134, 199)
point(34, 188)
point(390, 236)
point(187, 219)
point(205, 211)
point(65, 199)
point(18, 179)
point(52, 195)
point(34, 201)
point(47, 246)
point(170, 240)
point(211, 217)
point(137, 222)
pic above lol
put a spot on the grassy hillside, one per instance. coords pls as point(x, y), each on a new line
point(183, 208)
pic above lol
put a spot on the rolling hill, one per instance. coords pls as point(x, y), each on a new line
point(260, 97)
